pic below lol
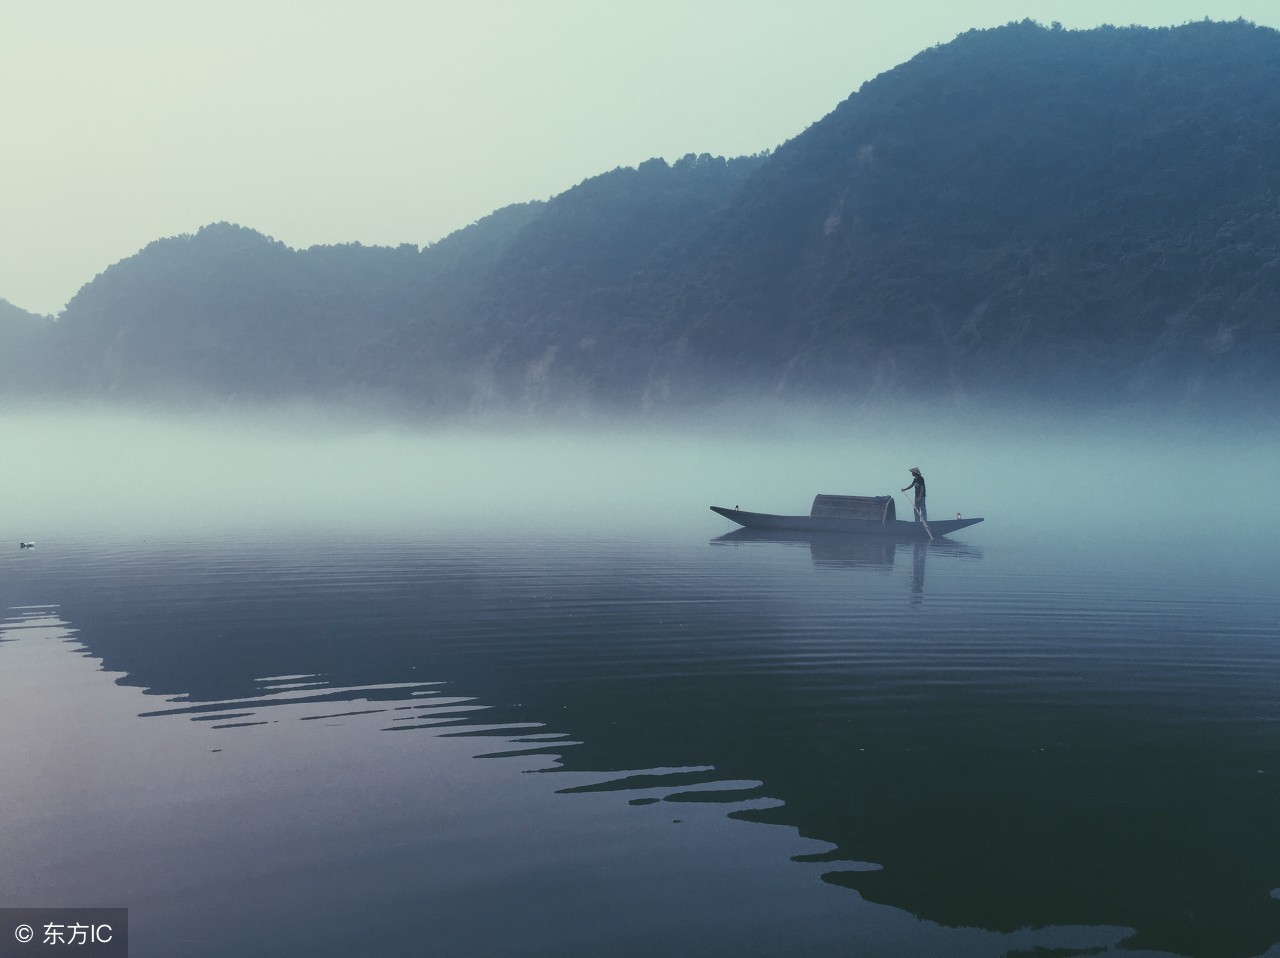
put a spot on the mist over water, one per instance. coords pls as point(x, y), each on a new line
point(91, 472)
point(859, 742)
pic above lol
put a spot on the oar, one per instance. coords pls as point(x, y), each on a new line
point(921, 518)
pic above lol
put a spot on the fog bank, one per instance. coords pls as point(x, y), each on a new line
point(77, 472)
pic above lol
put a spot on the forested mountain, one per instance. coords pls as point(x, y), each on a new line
point(1030, 206)
point(1025, 211)
point(24, 340)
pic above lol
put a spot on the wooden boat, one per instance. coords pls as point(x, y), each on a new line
point(856, 515)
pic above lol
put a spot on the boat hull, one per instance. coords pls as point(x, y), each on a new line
point(895, 528)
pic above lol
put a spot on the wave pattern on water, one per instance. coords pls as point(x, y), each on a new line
point(993, 739)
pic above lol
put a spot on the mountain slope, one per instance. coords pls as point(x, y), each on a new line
point(1096, 203)
point(1024, 212)
point(24, 339)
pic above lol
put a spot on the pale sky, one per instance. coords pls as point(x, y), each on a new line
point(399, 121)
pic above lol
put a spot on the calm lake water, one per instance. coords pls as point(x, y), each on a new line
point(620, 740)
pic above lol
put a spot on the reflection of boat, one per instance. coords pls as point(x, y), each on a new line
point(856, 515)
point(875, 551)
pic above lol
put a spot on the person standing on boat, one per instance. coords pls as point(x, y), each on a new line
point(917, 484)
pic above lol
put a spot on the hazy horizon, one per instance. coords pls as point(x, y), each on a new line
point(135, 475)
point(390, 122)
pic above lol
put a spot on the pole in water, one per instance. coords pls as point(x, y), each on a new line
point(916, 509)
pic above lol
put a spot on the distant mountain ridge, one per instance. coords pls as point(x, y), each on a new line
point(1022, 212)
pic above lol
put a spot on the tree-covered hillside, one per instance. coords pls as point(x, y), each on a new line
point(24, 342)
point(1030, 206)
point(1025, 211)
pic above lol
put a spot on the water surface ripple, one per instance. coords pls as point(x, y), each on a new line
point(873, 748)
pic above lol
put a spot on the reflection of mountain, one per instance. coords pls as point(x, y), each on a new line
point(1002, 777)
